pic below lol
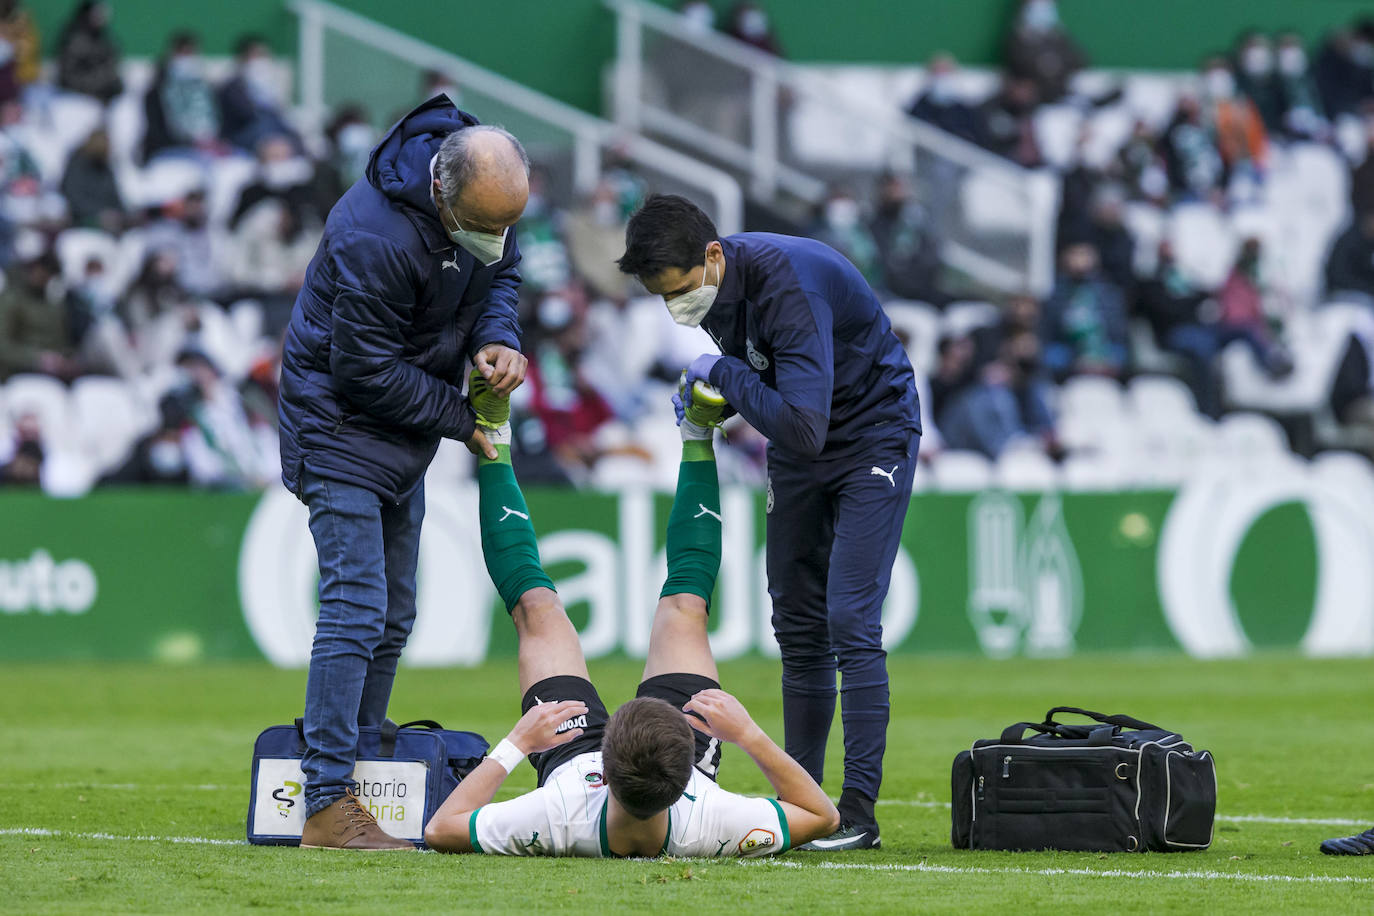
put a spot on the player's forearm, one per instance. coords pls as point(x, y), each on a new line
point(789, 780)
point(796, 428)
point(447, 831)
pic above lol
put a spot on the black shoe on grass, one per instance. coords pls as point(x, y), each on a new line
point(1361, 844)
point(847, 839)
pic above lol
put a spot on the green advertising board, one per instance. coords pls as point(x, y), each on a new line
point(1220, 567)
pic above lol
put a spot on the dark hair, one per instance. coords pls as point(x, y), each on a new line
point(646, 755)
point(183, 40)
point(668, 231)
point(247, 42)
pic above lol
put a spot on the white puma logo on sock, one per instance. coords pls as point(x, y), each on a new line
point(876, 471)
point(453, 264)
point(510, 512)
point(706, 511)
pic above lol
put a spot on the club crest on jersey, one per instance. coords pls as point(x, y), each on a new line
point(757, 839)
point(595, 779)
point(756, 359)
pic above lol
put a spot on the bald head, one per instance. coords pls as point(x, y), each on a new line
point(481, 177)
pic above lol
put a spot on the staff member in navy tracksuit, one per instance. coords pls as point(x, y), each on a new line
point(811, 362)
point(415, 274)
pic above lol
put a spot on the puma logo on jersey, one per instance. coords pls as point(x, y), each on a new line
point(510, 512)
point(876, 471)
point(706, 511)
point(453, 264)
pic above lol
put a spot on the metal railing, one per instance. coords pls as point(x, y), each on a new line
point(791, 134)
point(332, 71)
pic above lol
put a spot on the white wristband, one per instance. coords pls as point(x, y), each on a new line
point(506, 754)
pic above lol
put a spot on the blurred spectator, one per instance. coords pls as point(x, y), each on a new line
point(1038, 49)
point(1006, 405)
point(1362, 178)
point(158, 457)
point(89, 186)
point(270, 251)
point(544, 259)
point(1005, 123)
point(34, 336)
point(154, 292)
point(1084, 318)
point(1236, 122)
point(93, 326)
point(623, 374)
point(1256, 78)
point(1304, 117)
point(840, 225)
point(288, 177)
point(595, 232)
point(185, 232)
point(180, 105)
point(940, 104)
point(351, 137)
point(571, 411)
point(437, 82)
point(1344, 70)
point(907, 248)
point(87, 57)
point(955, 370)
point(250, 103)
point(1176, 309)
point(1142, 167)
point(1242, 316)
point(1191, 157)
point(18, 31)
point(749, 24)
point(1108, 234)
point(1350, 266)
point(225, 448)
point(698, 16)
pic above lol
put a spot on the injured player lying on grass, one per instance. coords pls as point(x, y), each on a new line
point(640, 782)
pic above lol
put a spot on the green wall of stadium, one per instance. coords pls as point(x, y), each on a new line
point(1221, 567)
point(560, 46)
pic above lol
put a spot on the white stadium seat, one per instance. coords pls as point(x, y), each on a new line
point(1025, 467)
point(1204, 245)
point(1248, 434)
point(43, 397)
point(75, 247)
point(962, 472)
point(1160, 398)
point(107, 417)
point(1093, 473)
point(1090, 396)
point(920, 324)
point(966, 317)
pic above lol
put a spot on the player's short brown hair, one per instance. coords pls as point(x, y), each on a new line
point(646, 755)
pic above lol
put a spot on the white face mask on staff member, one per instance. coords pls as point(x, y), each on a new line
point(486, 247)
point(691, 307)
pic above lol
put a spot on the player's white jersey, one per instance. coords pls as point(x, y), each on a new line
point(567, 817)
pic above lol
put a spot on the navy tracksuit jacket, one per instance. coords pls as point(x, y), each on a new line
point(812, 363)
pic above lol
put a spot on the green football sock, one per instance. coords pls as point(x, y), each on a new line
point(694, 529)
point(508, 542)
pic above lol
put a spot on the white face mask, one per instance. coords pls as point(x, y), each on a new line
point(1220, 84)
point(1257, 60)
point(486, 247)
point(692, 306)
point(1292, 60)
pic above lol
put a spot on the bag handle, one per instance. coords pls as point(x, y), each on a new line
point(1123, 721)
point(1015, 734)
point(387, 734)
point(422, 723)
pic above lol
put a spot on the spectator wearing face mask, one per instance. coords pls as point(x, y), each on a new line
point(159, 457)
point(89, 186)
point(907, 248)
point(351, 137)
point(1006, 405)
point(1182, 317)
point(270, 250)
point(840, 225)
point(34, 334)
point(749, 24)
point(286, 176)
point(225, 447)
point(595, 233)
point(18, 30)
point(1344, 71)
point(1304, 118)
point(1142, 166)
point(1235, 121)
point(180, 105)
point(1350, 266)
point(939, 102)
point(1040, 50)
point(185, 231)
point(1256, 78)
point(1084, 318)
point(87, 56)
point(250, 101)
point(1242, 316)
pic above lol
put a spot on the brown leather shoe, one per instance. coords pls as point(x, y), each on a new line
point(346, 824)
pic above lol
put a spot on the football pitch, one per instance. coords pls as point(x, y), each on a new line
point(124, 788)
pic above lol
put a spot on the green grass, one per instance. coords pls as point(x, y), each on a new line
point(159, 752)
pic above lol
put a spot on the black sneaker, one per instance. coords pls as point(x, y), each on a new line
point(1361, 844)
point(846, 839)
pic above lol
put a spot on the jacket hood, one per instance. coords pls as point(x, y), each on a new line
point(399, 165)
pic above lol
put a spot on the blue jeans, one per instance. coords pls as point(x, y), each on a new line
point(986, 418)
point(368, 551)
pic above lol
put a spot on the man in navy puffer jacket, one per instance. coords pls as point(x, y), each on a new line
point(415, 275)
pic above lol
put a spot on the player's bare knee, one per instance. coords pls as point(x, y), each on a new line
point(539, 611)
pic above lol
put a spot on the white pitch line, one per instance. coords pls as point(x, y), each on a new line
point(119, 786)
point(1208, 875)
point(72, 835)
point(1226, 818)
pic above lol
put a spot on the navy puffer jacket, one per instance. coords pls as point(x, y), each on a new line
point(390, 310)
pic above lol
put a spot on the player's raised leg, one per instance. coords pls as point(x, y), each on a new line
point(680, 664)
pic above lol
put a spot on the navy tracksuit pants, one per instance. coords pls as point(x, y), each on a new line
point(834, 525)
